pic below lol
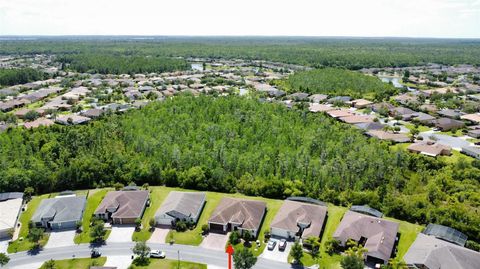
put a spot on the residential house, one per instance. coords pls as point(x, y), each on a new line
point(474, 131)
point(354, 119)
point(318, 98)
point(472, 151)
point(123, 207)
point(378, 107)
point(38, 122)
point(298, 96)
point(71, 119)
point(473, 118)
point(430, 252)
point(238, 214)
point(342, 99)
point(297, 220)
point(181, 206)
point(377, 235)
point(361, 103)
point(403, 113)
point(390, 136)
point(430, 148)
point(10, 204)
point(449, 113)
point(370, 126)
point(61, 212)
point(423, 118)
point(340, 113)
point(447, 124)
point(93, 113)
point(314, 107)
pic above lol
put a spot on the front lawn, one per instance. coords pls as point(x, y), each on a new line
point(157, 196)
point(82, 263)
point(171, 264)
point(93, 200)
point(22, 244)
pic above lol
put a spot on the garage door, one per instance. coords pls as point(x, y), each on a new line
point(164, 221)
point(217, 228)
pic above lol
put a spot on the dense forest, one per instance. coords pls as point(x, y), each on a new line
point(333, 81)
point(14, 76)
point(234, 144)
point(118, 64)
point(351, 53)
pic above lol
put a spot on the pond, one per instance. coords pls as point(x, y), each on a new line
point(395, 81)
point(197, 66)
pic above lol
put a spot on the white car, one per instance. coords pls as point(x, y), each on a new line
point(271, 244)
point(157, 254)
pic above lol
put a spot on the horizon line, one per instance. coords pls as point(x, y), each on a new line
point(231, 36)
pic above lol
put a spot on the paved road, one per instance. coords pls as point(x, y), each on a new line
point(455, 142)
point(187, 253)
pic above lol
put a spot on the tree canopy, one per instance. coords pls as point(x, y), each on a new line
point(234, 144)
point(334, 81)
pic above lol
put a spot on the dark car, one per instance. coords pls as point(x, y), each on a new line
point(95, 253)
point(282, 245)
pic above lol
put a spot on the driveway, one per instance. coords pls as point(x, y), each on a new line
point(27, 266)
point(120, 262)
point(3, 246)
point(215, 241)
point(121, 234)
point(159, 235)
point(60, 239)
point(456, 143)
point(275, 254)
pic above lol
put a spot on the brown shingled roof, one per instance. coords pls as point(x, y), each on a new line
point(124, 204)
point(292, 214)
point(247, 213)
point(380, 233)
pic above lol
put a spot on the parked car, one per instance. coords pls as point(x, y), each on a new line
point(157, 254)
point(95, 253)
point(271, 244)
point(282, 245)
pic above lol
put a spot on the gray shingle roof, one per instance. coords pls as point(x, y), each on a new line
point(435, 253)
point(182, 204)
point(61, 209)
point(10, 195)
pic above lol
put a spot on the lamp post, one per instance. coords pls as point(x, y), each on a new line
point(178, 259)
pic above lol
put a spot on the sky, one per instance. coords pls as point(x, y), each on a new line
point(367, 18)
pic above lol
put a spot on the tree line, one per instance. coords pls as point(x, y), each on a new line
point(235, 144)
point(14, 76)
point(334, 81)
point(316, 52)
point(120, 64)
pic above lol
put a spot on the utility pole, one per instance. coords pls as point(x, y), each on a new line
point(178, 258)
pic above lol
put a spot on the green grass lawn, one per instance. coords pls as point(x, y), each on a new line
point(408, 233)
point(157, 196)
point(82, 263)
point(455, 157)
point(22, 244)
point(171, 264)
point(93, 201)
point(421, 128)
